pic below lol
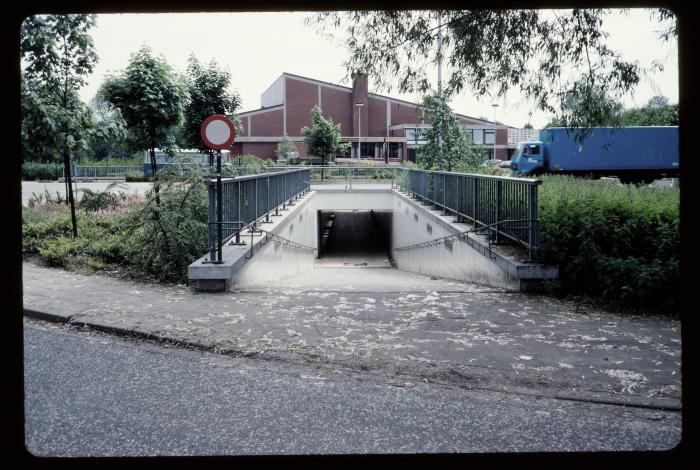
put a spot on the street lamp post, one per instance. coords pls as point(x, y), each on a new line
point(359, 129)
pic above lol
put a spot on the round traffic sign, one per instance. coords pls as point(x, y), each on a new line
point(217, 132)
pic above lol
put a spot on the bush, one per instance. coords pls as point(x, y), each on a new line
point(100, 200)
point(41, 171)
point(618, 243)
point(136, 178)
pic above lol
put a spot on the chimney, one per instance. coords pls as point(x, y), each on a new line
point(359, 95)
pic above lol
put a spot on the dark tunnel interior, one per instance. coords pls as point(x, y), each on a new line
point(355, 237)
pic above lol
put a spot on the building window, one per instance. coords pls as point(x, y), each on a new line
point(395, 149)
point(489, 137)
point(411, 135)
point(478, 136)
point(488, 154)
point(367, 150)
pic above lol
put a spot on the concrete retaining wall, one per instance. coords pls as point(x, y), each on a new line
point(275, 260)
point(413, 223)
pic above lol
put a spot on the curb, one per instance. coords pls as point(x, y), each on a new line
point(654, 404)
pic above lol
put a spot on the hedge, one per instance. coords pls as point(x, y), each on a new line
point(618, 243)
point(41, 171)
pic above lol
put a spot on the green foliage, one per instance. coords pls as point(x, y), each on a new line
point(323, 137)
point(657, 112)
point(145, 238)
point(59, 54)
point(173, 233)
point(109, 137)
point(457, 152)
point(41, 171)
point(550, 55)
point(619, 243)
point(136, 178)
point(286, 150)
point(100, 200)
point(245, 165)
point(209, 94)
point(150, 97)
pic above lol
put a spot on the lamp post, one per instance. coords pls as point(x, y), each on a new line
point(359, 129)
point(494, 111)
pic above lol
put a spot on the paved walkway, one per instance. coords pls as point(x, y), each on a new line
point(406, 327)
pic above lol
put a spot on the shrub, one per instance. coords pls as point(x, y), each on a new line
point(100, 200)
point(41, 171)
point(136, 178)
point(619, 243)
point(163, 239)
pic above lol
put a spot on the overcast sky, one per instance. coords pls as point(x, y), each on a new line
point(257, 47)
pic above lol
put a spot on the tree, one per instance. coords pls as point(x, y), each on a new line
point(150, 97)
point(448, 148)
point(109, 135)
point(550, 54)
point(322, 138)
point(59, 53)
point(208, 94)
point(285, 148)
point(601, 109)
point(657, 112)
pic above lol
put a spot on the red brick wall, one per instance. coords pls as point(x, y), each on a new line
point(470, 122)
point(337, 105)
point(404, 114)
point(259, 149)
point(266, 124)
point(301, 98)
point(376, 117)
point(502, 154)
point(501, 136)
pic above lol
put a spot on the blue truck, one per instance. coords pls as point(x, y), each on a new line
point(633, 154)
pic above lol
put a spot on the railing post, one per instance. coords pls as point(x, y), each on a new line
point(475, 198)
point(212, 215)
point(533, 237)
point(498, 207)
point(267, 201)
point(459, 196)
point(444, 194)
point(238, 216)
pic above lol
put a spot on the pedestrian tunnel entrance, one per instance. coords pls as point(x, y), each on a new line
point(354, 238)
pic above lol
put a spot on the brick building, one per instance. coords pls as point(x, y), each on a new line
point(378, 127)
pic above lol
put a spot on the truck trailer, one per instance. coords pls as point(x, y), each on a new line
point(632, 154)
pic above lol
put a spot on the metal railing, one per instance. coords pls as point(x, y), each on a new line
point(499, 204)
point(246, 200)
point(96, 171)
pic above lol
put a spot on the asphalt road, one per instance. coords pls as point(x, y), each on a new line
point(90, 394)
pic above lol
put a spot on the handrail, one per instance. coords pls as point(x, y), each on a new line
point(439, 240)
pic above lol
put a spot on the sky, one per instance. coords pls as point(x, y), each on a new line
point(258, 47)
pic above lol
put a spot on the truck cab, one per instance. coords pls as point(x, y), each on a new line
point(528, 158)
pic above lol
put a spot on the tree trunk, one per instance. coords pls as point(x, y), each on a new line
point(71, 201)
point(152, 152)
point(323, 163)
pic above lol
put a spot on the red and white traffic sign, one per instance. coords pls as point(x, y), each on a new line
point(217, 132)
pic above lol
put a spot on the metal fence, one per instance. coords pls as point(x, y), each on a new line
point(246, 200)
point(504, 207)
point(81, 171)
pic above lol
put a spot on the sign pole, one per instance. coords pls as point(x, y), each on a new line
point(219, 207)
point(218, 132)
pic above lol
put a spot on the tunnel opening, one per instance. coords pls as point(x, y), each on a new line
point(355, 238)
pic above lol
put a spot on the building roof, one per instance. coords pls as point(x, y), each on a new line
point(369, 94)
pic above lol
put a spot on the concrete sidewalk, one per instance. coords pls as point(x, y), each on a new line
point(401, 326)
